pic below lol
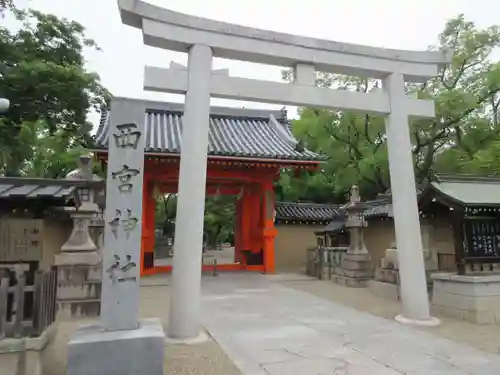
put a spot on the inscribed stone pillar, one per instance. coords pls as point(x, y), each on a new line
point(120, 345)
point(123, 217)
point(404, 201)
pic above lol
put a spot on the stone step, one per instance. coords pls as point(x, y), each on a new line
point(351, 282)
point(71, 308)
point(72, 282)
point(78, 300)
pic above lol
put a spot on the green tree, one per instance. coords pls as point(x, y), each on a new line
point(6, 4)
point(166, 207)
point(219, 219)
point(467, 95)
point(43, 74)
point(52, 155)
point(218, 222)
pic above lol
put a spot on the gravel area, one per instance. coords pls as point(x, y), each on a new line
point(483, 337)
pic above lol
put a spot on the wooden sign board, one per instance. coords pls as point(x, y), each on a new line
point(21, 239)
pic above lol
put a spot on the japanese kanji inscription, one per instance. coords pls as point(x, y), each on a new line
point(123, 217)
point(127, 135)
point(125, 176)
point(127, 223)
point(118, 271)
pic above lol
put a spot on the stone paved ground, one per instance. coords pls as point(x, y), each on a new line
point(257, 320)
point(269, 329)
point(483, 337)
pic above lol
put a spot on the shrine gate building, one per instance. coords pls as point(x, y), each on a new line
point(247, 150)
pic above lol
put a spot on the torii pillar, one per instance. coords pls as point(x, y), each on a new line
point(184, 317)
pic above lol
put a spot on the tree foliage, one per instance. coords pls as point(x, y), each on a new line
point(463, 138)
point(43, 74)
point(6, 4)
point(218, 222)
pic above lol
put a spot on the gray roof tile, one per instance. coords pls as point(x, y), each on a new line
point(17, 188)
point(231, 134)
point(56, 191)
point(469, 190)
point(379, 207)
point(306, 212)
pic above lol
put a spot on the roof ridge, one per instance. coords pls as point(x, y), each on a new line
point(310, 203)
point(46, 181)
point(232, 134)
point(214, 110)
point(466, 178)
point(256, 116)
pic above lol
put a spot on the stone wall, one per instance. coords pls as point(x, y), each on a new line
point(23, 356)
point(437, 236)
point(471, 298)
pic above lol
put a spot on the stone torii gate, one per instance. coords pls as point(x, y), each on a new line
point(204, 39)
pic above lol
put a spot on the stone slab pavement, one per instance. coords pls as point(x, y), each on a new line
point(268, 329)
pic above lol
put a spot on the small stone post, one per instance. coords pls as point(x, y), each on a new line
point(355, 269)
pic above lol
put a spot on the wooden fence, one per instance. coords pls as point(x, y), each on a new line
point(27, 310)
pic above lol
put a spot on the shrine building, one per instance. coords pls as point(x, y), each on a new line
point(247, 150)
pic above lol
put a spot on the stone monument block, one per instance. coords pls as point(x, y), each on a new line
point(96, 351)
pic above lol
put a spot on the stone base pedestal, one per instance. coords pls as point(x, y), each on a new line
point(95, 351)
point(471, 298)
point(355, 270)
point(78, 285)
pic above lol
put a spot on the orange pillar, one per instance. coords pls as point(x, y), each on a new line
point(269, 231)
point(255, 220)
point(148, 225)
point(246, 209)
point(238, 243)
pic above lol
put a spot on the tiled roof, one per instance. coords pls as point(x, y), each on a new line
point(55, 191)
point(468, 190)
point(306, 212)
point(34, 189)
point(233, 132)
point(379, 207)
point(337, 225)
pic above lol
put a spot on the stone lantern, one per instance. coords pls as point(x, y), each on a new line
point(355, 269)
point(356, 223)
point(79, 261)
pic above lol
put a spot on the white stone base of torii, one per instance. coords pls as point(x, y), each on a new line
point(205, 39)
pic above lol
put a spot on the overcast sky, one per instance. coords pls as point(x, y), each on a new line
point(404, 24)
